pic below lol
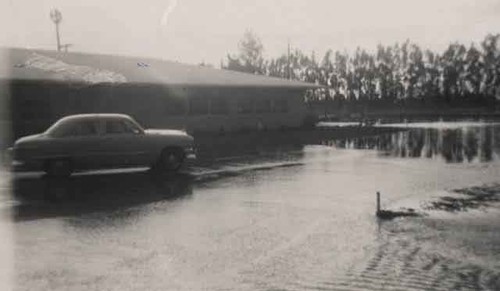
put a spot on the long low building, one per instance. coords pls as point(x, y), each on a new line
point(40, 86)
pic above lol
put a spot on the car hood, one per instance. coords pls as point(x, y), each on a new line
point(171, 132)
point(28, 139)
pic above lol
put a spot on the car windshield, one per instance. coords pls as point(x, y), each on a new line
point(136, 128)
point(122, 126)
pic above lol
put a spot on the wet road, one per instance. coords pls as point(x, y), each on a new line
point(302, 220)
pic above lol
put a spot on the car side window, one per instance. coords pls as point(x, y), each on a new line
point(78, 128)
point(87, 128)
point(117, 127)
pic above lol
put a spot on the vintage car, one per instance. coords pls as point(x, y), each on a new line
point(97, 141)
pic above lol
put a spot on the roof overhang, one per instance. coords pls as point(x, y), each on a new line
point(111, 70)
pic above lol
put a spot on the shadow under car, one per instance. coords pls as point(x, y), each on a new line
point(71, 196)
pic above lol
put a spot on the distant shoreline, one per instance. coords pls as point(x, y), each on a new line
point(413, 115)
point(405, 109)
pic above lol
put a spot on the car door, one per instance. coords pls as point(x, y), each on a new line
point(79, 141)
point(123, 146)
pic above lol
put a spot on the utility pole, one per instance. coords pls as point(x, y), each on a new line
point(56, 17)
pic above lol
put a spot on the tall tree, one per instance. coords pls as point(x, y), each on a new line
point(432, 75)
point(391, 74)
point(473, 69)
point(250, 58)
point(491, 70)
point(415, 72)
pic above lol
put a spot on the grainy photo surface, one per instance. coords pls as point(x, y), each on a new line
point(249, 145)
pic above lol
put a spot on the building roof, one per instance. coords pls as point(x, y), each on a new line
point(34, 64)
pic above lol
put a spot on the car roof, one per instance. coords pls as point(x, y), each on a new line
point(95, 116)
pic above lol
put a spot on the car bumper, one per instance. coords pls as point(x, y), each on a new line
point(190, 153)
point(16, 165)
point(21, 166)
point(189, 159)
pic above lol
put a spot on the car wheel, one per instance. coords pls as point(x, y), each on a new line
point(171, 159)
point(59, 167)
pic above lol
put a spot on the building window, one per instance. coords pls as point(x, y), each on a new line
point(245, 105)
point(175, 106)
point(281, 105)
point(219, 105)
point(198, 106)
point(263, 105)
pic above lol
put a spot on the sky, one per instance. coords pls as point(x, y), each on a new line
point(195, 31)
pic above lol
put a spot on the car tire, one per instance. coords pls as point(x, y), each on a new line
point(171, 159)
point(59, 167)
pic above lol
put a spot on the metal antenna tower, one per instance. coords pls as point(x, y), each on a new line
point(56, 17)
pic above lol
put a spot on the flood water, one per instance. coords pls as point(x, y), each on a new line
point(300, 219)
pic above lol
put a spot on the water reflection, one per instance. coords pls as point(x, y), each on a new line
point(50, 197)
point(248, 147)
point(453, 145)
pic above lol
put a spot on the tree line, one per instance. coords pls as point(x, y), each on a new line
point(393, 73)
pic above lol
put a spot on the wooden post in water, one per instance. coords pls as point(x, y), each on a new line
point(378, 203)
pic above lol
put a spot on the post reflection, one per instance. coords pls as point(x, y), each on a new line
point(468, 144)
point(76, 195)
